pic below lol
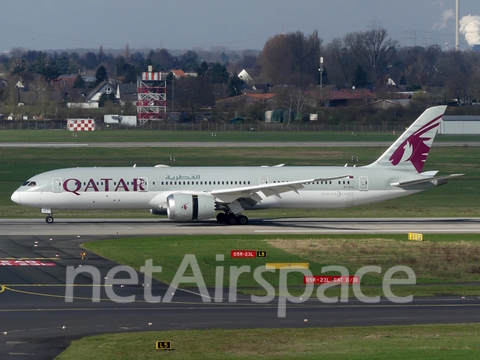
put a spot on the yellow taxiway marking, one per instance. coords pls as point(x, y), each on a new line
point(2, 288)
point(296, 266)
point(50, 295)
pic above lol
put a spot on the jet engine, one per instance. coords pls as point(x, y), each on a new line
point(158, 211)
point(187, 207)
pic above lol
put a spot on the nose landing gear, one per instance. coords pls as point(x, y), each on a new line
point(49, 218)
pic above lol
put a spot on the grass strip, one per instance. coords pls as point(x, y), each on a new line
point(442, 260)
point(437, 341)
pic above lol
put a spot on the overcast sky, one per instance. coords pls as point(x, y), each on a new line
point(246, 24)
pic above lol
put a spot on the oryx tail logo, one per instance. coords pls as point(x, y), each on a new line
point(416, 147)
point(184, 206)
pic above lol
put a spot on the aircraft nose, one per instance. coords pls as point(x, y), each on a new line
point(16, 197)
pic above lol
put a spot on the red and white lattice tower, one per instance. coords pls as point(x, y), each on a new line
point(151, 97)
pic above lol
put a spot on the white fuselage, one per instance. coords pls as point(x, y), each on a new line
point(148, 188)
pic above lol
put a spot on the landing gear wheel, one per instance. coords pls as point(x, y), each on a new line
point(49, 219)
point(232, 219)
point(242, 220)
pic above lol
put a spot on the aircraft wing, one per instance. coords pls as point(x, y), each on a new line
point(426, 180)
point(269, 189)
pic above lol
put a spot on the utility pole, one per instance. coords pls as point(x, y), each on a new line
point(321, 78)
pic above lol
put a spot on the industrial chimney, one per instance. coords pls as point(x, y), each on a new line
point(457, 48)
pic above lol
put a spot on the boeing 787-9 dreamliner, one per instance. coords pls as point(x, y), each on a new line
point(195, 193)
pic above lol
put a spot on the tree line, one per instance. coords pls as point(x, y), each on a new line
point(359, 59)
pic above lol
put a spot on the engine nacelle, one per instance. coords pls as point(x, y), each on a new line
point(158, 211)
point(187, 207)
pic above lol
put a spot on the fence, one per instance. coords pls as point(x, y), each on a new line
point(209, 126)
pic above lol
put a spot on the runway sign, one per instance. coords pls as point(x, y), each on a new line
point(25, 263)
point(415, 237)
point(248, 254)
point(164, 345)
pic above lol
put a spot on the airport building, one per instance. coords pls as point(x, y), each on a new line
point(460, 125)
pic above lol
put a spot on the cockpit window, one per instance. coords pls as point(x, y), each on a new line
point(26, 183)
point(32, 183)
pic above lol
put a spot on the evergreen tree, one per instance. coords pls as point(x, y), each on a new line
point(101, 74)
point(79, 82)
point(101, 101)
point(235, 86)
point(360, 77)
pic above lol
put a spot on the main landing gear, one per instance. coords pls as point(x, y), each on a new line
point(232, 219)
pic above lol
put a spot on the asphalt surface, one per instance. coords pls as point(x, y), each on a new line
point(39, 322)
point(160, 225)
point(210, 144)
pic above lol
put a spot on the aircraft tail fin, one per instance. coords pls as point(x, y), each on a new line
point(410, 151)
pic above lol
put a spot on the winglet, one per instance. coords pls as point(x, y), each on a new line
point(410, 151)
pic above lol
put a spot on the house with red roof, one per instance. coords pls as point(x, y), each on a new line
point(178, 73)
point(345, 97)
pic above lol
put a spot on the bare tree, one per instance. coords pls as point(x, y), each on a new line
point(372, 49)
point(191, 93)
point(293, 98)
point(12, 94)
point(291, 58)
point(340, 62)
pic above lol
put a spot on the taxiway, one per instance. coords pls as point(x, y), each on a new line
point(40, 321)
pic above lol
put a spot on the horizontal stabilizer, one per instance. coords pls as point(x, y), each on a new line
point(426, 180)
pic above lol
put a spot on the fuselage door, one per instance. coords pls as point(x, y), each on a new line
point(57, 184)
point(263, 180)
point(363, 186)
